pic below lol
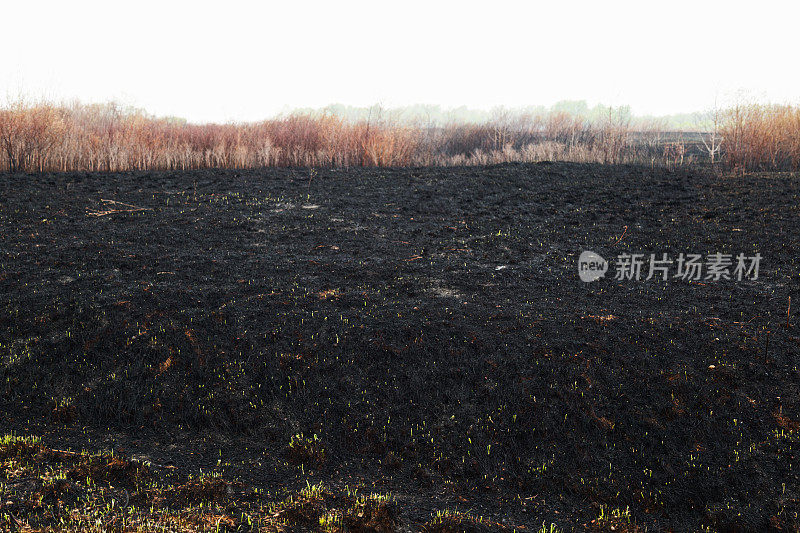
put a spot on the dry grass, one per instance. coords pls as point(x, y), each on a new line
point(40, 136)
point(762, 137)
point(44, 137)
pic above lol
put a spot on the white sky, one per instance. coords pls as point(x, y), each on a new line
point(235, 60)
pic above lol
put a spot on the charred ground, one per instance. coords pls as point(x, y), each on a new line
point(416, 331)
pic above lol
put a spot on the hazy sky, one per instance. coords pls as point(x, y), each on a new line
point(232, 60)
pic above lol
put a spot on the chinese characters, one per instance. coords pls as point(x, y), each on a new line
point(690, 267)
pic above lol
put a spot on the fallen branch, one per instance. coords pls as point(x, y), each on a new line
point(130, 209)
point(624, 231)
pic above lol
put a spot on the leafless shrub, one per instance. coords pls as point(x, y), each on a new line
point(761, 137)
point(106, 137)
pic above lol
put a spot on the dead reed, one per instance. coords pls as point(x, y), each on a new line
point(40, 136)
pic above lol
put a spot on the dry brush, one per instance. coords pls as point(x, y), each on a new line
point(37, 137)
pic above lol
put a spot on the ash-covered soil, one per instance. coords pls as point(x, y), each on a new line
point(424, 331)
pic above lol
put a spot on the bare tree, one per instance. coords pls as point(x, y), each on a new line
point(712, 141)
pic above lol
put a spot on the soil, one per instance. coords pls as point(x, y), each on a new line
point(417, 331)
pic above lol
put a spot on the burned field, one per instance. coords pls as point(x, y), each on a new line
point(421, 334)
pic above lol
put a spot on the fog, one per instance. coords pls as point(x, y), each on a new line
point(247, 61)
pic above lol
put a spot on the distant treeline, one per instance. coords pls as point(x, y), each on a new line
point(435, 115)
point(107, 137)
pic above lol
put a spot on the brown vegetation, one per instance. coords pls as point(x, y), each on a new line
point(37, 137)
point(758, 137)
